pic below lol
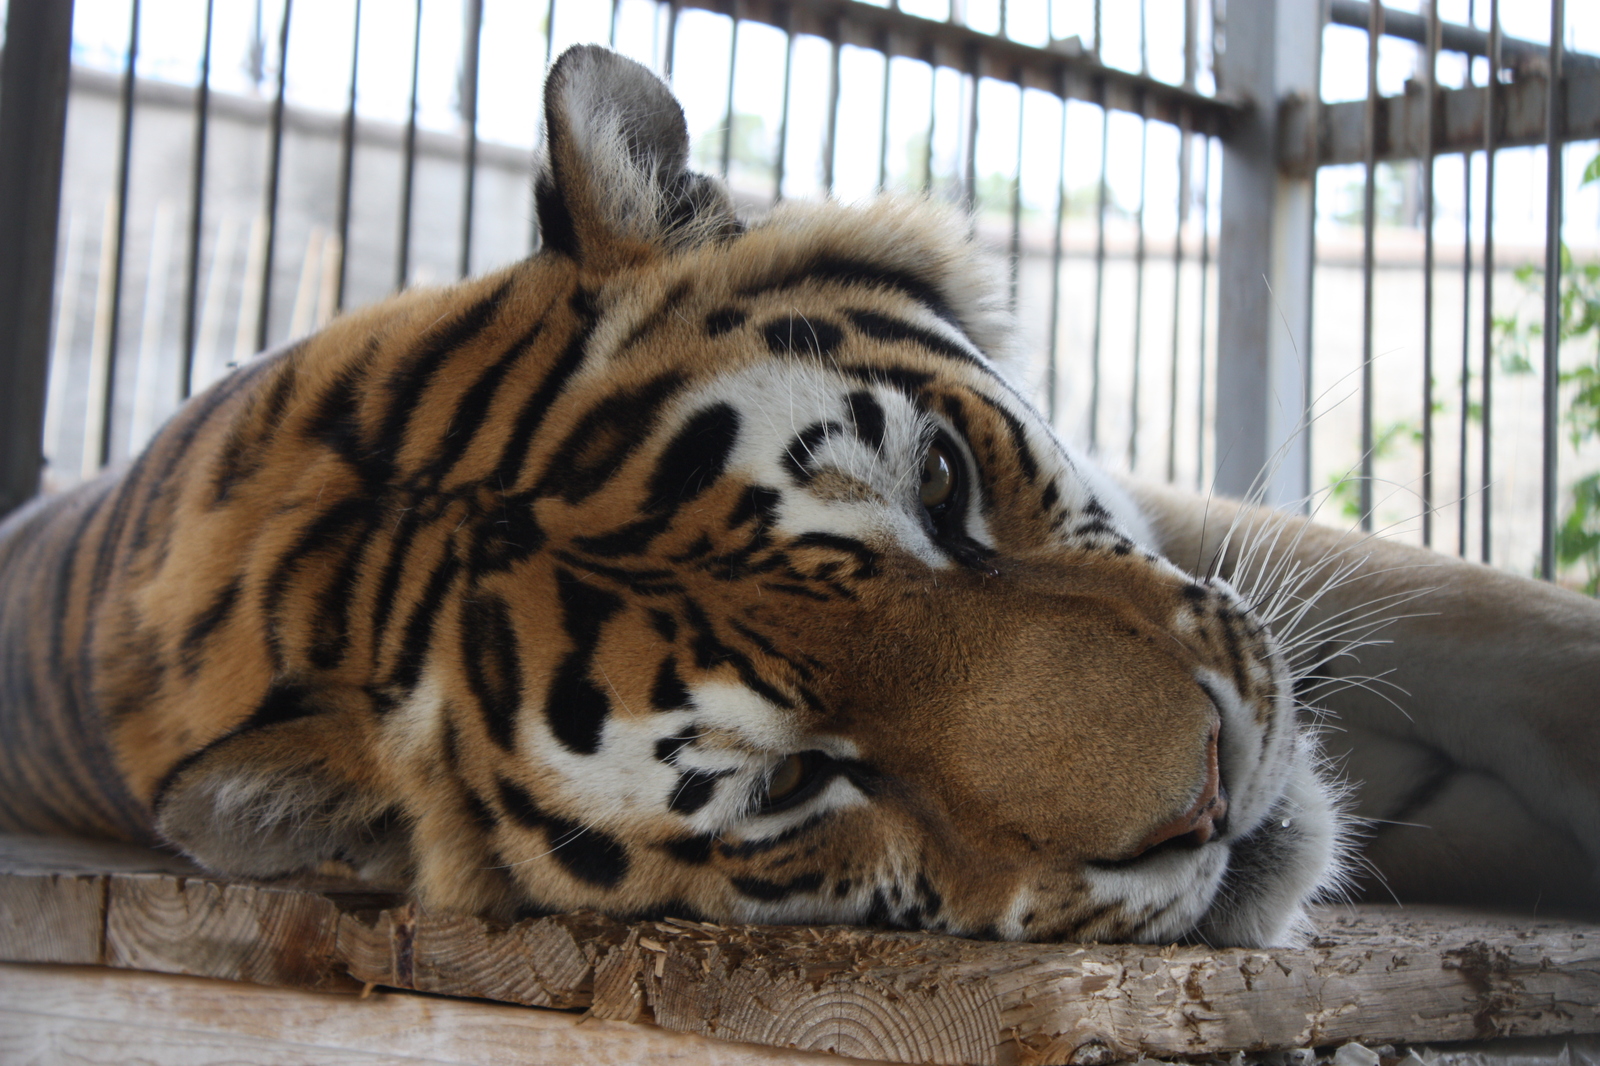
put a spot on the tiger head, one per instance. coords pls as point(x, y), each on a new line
point(717, 570)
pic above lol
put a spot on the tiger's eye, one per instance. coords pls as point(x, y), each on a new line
point(788, 778)
point(938, 477)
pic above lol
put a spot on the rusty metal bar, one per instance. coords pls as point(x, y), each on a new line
point(1460, 119)
point(950, 44)
point(1552, 295)
point(1453, 37)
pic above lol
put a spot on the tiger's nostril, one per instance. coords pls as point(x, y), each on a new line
point(1206, 818)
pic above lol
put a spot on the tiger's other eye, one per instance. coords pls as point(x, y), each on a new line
point(938, 477)
point(787, 779)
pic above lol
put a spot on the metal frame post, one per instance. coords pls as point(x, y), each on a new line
point(1264, 257)
point(33, 127)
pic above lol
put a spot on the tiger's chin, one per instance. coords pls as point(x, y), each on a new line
point(1295, 856)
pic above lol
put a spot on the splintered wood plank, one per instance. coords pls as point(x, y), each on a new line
point(72, 1015)
point(1373, 974)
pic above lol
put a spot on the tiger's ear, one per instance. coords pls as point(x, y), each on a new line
point(282, 799)
point(614, 183)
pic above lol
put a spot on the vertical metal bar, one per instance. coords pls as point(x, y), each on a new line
point(1205, 307)
point(119, 245)
point(970, 171)
point(1263, 260)
point(1177, 296)
point(1099, 262)
point(933, 120)
point(197, 201)
point(1138, 289)
point(1491, 99)
point(727, 108)
point(33, 124)
point(1050, 372)
point(1015, 250)
point(408, 166)
point(612, 38)
point(550, 37)
point(538, 128)
point(1369, 201)
point(883, 117)
point(274, 167)
point(1430, 102)
point(1553, 129)
point(1466, 312)
point(347, 153)
point(830, 145)
point(469, 116)
point(782, 162)
point(672, 38)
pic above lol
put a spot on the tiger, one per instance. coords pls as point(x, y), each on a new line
point(724, 569)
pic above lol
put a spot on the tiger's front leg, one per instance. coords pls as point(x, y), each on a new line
point(1464, 702)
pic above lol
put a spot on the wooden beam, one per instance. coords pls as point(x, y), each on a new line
point(1373, 974)
point(80, 1015)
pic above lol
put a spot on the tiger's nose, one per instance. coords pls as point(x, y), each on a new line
point(1202, 821)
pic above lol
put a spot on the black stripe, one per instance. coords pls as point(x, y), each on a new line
point(773, 891)
point(710, 651)
point(867, 415)
point(473, 408)
point(724, 320)
point(611, 431)
point(204, 624)
point(847, 271)
point(493, 665)
point(406, 385)
point(320, 533)
point(694, 459)
point(419, 628)
point(866, 558)
point(575, 708)
point(884, 328)
point(412, 520)
point(1019, 438)
point(804, 335)
point(587, 854)
point(695, 789)
point(537, 406)
point(800, 453)
point(330, 625)
point(663, 313)
point(242, 452)
point(669, 693)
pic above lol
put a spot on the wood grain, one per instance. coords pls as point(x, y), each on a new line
point(1373, 974)
point(79, 1015)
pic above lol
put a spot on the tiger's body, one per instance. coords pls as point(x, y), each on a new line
point(689, 568)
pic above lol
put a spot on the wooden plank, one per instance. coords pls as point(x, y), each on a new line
point(1373, 974)
point(72, 1015)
